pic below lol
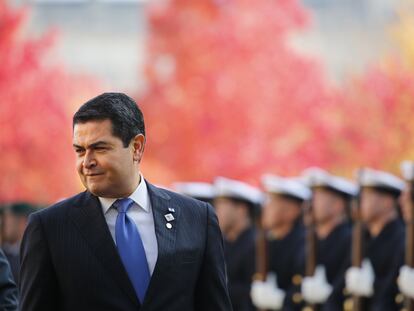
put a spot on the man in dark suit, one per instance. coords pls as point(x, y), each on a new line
point(123, 244)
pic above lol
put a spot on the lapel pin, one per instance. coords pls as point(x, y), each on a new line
point(171, 209)
point(169, 217)
point(168, 225)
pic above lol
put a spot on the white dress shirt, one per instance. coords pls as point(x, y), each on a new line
point(141, 214)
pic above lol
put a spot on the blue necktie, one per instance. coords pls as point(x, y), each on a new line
point(131, 249)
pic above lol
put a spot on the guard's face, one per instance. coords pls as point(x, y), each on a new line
point(371, 204)
point(11, 227)
point(106, 168)
point(226, 211)
point(324, 205)
point(278, 211)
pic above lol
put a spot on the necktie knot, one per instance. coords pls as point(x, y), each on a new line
point(123, 205)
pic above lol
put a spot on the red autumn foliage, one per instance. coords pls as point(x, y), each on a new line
point(36, 158)
point(227, 95)
point(380, 109)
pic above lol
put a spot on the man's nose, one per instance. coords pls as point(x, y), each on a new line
point(89, 160)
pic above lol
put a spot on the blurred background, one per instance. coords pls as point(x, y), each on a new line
point(232, 88)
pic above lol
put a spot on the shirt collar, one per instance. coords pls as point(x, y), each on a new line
point(139, 196)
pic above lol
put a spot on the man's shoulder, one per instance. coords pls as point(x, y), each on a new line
point(62, 206)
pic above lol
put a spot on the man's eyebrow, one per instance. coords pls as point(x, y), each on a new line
point(99, 143)
point(94, 145)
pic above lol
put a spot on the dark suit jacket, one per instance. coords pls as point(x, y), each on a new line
point(69, 260)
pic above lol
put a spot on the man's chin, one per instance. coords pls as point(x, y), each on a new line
point(102, 192)
point(96, 190)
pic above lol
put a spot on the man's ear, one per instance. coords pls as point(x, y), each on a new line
point(138, 144)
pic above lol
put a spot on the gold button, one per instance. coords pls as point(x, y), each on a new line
point(348, 304)
point(297, 298)
point(399, 298)
point(297, 279)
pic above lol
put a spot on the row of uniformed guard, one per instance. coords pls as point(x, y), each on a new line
point(317, 241)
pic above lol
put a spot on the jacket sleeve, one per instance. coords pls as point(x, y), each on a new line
point(38, 283)
point(211, 290)
point(8, 288)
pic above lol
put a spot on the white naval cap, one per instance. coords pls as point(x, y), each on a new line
point(290, 186)
point(317, 177)
point(202, 190)
point(407, 170)
point(379, 179)
point(225, 187)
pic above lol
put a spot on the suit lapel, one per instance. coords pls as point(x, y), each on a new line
point(161, 205)
point(89, 219)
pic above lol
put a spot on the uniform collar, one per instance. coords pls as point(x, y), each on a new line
point(139, 196)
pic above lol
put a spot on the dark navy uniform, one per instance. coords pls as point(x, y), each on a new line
point(334, 253)
point(8, 288)
point(20, 211)
point(385, 252)
point(13, 258)
point(240, 260)
point(286, 260)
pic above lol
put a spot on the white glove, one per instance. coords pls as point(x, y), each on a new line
point(316, 289)
point(406, 281)
point(360, 280)
point(267, 295)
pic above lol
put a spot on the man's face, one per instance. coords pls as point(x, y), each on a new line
point(226, 211)
point(372, 204)
point(106, 168)
point(10, 228)
point(279, 211)
point(324, 204)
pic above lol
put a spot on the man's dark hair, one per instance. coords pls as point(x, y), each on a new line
point(123, 112)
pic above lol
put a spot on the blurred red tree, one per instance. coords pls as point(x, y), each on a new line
point(227, 95)
point(378, 105)
point(381, 107)
point(35, 126)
